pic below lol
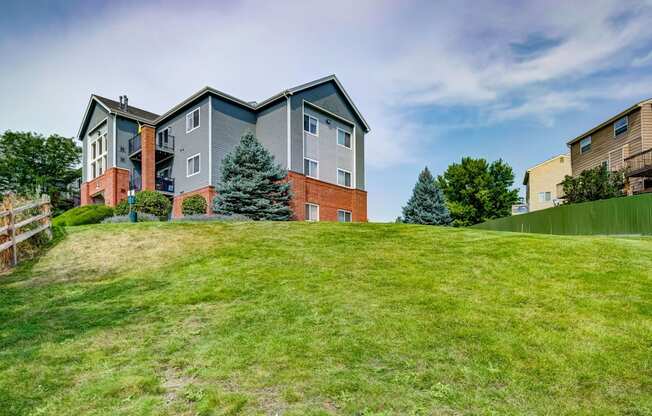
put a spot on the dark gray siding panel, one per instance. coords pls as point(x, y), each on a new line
point(328, 97)
point(271, 130)
point(230, 122)
point(187, 145)
point(125, 130)
point(359, 154)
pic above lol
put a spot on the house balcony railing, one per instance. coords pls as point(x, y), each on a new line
point(161, 184)
point(639, 164)
point(164, 184)
point(162, 146)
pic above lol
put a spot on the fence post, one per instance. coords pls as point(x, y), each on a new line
point(45, 209)
point(9, 207)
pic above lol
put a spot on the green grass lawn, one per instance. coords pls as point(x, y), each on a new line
point(301, 318)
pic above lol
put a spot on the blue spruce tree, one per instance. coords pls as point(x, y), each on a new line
point(427, 204)
point(252, 184)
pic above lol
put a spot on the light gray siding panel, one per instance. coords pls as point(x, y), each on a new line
point(328, 97)
point(324, 147)
point(97, 114)
point(230, 123)
point(311, 146)
point(187, 145)
point(271, 131)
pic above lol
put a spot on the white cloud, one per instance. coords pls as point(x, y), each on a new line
point(391, 58)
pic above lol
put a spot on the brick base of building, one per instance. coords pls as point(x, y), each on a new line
point(113, 185)
point(208, 192)
point(329, 197)
point(109, 188)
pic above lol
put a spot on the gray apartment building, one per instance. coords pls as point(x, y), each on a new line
point(314, 130)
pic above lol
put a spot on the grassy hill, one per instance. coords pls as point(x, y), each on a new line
point(300, 318)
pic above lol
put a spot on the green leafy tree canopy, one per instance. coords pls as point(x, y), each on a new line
point(31, 163)
point(477, 191)
point(252, 184)
point(427, 204)
point(593, 184)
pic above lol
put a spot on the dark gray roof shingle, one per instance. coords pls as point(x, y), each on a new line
point(135, 111)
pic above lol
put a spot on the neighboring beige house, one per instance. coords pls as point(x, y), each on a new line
point(541, 190)
point(623, 141)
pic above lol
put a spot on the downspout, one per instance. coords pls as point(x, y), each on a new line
point(287, 94)
point(210, 140)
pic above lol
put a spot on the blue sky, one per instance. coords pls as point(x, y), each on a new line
point(436, 80)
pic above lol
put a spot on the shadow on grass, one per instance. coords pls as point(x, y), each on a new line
point(35, 315)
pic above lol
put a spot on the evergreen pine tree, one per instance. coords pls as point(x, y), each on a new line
point(427, 204)
point(252, 184)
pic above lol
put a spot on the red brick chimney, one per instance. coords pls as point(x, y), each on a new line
point(148, 161)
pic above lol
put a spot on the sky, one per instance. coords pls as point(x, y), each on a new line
point(436, 80)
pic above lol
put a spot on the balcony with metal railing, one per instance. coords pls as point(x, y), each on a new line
point(164, 147)
point(161, 183)
point(639, 164)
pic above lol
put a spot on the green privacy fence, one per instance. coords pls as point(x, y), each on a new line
point(627, 215)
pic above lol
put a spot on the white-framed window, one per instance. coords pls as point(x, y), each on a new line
point(192, 165)
point(312, 212)
point(343, 215)
point(545, 196)
point(311, 168)
point(605, 163)
point(192, 120)
point(97, 154)
point(344, 178)
point(344, 138)
point(621, 125)
point(585, 145)
point(310, 125)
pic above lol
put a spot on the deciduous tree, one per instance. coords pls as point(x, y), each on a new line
point(477, 191)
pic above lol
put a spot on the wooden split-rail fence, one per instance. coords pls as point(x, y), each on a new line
point(15, 224)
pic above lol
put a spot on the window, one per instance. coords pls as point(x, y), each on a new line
point(344, 178)
point(344, 138)
point(621, 125)
point(192, 167)
point(585, 145)
point(164, 137)
point(605, 163)
point(164, 173)
point(311, 168)
point(312, 212)
point(192, 120)
point(343, 216)
point(98, 154)
point(310, 124)
point(545, 196)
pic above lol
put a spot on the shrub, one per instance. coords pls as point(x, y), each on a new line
point(214, 217)
point(593, 184)
point(122, 208)
point(142, 217)
point(88, 214)
point(147, 202)
point(194, 205)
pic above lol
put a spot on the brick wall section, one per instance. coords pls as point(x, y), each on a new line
point(208, 192)
point(329, 197)
point(113, 185)
point(148, 157)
